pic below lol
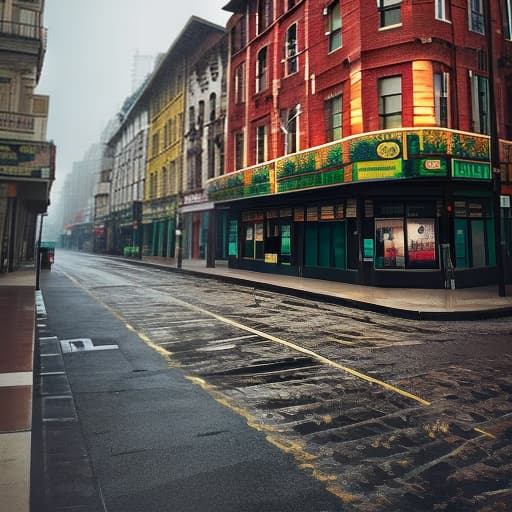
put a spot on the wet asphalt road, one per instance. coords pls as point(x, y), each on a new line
point(387, 414)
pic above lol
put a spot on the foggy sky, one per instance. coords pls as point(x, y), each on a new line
point(88, 64)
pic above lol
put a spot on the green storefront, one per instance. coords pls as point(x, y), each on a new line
point(394, 208)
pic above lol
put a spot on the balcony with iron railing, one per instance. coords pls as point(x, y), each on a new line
point(24, 31)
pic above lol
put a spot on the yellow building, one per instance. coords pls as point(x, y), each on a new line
point(166, 98)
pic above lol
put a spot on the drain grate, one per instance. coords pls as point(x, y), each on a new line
point(83, 345)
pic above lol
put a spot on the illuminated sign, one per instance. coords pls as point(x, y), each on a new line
point(388, 149)
point(377, 170)
point(471, 170)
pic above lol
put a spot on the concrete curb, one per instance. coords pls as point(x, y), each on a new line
point(409, 314)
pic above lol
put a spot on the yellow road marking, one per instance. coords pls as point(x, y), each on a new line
point(306, 351)
point(487, 434)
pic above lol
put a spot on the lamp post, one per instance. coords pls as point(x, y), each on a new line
point(494, 151)
point(284, 127)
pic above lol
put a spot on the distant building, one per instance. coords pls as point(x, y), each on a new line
point(27, 161)
point(203, 138)
point(141, 68)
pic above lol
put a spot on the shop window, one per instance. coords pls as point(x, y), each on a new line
point(474, 235)
point(441, 85)
point(253, 240)
point(334, 26)
point(421, 243)
point(476, 16)
point(480, 103)
point(389, 243)
point(390, 12)
point(325, 242)
point(390, 102)
point(334, 118)
point(233, 238)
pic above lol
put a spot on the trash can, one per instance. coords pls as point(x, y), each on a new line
point(47, 254)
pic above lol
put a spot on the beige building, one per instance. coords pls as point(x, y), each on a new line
point(26, 160)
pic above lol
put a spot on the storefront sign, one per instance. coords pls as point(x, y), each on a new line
point(27, 160)
point(377, 170)
point(388, 149)
point(471, 170)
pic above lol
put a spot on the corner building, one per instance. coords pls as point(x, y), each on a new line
point(358, 140)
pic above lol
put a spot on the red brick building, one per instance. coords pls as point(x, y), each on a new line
point(400, 92)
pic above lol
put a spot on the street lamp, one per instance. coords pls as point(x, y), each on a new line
point(285, 127)
point(494, 151)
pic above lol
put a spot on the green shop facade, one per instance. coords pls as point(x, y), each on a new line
point(159, 227)
point(395, 208)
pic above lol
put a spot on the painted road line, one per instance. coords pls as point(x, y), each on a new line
point(303, 350)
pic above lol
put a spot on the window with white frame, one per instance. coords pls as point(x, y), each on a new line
point(390, 102)
point(261, 70)
point(240, 83)
point(390, 12)
point(334, 118)
point(480, 103)
point(291, 50)
point(476, 16)
point(265, 14)
point(334, 26)
point(441, 89)
point(239, 150)
point(261, 143)
point(507, 20)
point(440, 6)
point(289, 127)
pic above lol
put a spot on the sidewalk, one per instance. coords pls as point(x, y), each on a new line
point(17, 318)
point(427, 304)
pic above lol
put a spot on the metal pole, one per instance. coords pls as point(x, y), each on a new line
point(38, 250)
point(494, 151)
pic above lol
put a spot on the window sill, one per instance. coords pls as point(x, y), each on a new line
point(390, 27)
point(444, 20)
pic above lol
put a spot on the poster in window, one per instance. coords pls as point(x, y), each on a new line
point(233, 238)
point(249, 234)
point(389, 243)
point(258, 233)
point(421, 243)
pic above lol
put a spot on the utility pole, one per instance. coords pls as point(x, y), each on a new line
point(38, 250)
point(494, 151)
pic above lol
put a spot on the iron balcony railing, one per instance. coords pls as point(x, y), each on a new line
point(13, 28)
point(15, 122)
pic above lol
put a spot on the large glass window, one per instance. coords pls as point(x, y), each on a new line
point(334, 118)
point(325, 240)
point(390, 12)
point(334, 32)
point(390, 102)
point(474, 234)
